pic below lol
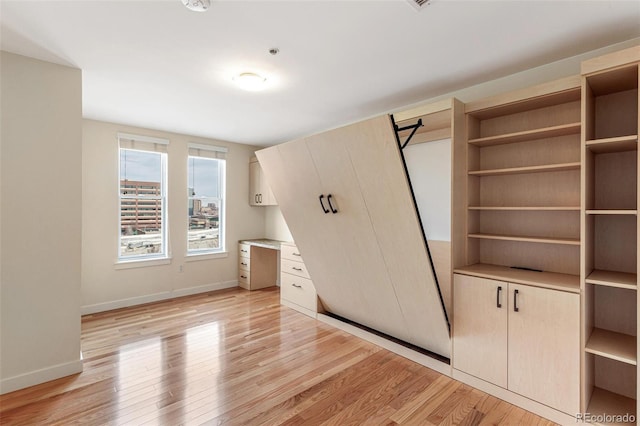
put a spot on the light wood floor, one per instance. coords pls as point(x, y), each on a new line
point(238, 357)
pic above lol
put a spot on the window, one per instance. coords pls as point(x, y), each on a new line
point(143, 201)
point(206, 190)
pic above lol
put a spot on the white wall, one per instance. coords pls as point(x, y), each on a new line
point(531, 77)
point(41, 221)
point(275, 226)
point(429, 166)
point(104, 286)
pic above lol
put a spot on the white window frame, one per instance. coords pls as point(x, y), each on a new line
point(213, 153)
point(152, 146)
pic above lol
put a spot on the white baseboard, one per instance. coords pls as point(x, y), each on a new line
point(37, 377)
point(515, 399)
point(133, 301)
point(403, 351)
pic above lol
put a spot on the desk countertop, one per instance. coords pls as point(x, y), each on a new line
point(264, 242)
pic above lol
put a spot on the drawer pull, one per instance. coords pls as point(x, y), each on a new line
point(515, 301)
point(242, 263)
point(296, 285)
point(333, 210)
point(498, 294)
point(296, 269)
point(324, 209)
point(242, 276)
point(242, 250)
point(296, 254)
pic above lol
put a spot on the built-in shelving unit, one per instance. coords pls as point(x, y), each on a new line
point(528, 135)
point(604, 402)
point(610, 233)
point(613, 212)
point(617, 144)
point(545, 168)
point(613, 279)
point(609, 344)
point(527, 208)
point(569, 241)
point(564, 282)
point(523, 186)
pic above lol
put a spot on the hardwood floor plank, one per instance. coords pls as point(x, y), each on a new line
point(432, 403)
point(239, 357)
point(472, 419)
point(418, 400)
point(443, 410)
point(462, 408)
point(496, 414)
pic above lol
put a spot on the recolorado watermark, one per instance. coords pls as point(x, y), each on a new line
point(605, 418)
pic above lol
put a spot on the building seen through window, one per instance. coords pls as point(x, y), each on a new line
point(205, 190)
point(142, 204)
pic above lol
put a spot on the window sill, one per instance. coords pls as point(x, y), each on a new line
point(194, 257)
point(141, 263)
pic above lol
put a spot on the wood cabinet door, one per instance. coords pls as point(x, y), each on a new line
point(480, 328)
point(296, 185)
point(365, 267)
point(380, 175)
point(254, 182)
point(260, 193)
point(544, 346)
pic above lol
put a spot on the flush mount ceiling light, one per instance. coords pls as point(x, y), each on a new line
point(197, 5)
point(250, 81)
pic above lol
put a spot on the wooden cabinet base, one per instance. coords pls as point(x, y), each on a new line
point(261, 266)
point(515, 399)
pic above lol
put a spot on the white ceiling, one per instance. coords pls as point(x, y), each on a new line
point(156, 64)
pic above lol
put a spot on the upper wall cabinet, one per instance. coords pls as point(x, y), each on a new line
point(345, 197)
point(260, 193)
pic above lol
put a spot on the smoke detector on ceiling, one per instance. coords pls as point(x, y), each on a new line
point(197, 5)
point(419, 4)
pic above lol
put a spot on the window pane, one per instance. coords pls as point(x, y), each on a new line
point(204, 177)
point(141, 166)
point(204, 224)
point(205, 205)
point(141, 203)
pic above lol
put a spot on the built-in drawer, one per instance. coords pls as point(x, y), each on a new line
point(293, 267)
point(244, 279)
point(244, 264)
point(298, 290)
point(290, 252)
point(245, 250)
